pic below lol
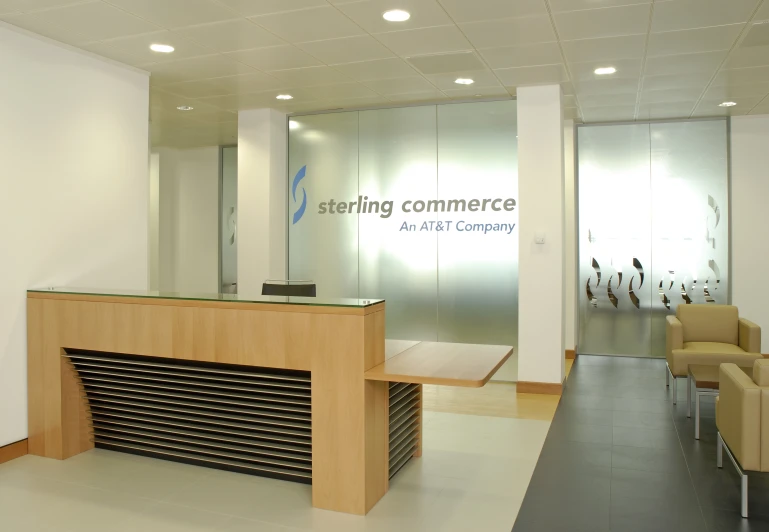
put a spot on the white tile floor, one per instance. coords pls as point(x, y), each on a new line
point(472, 477)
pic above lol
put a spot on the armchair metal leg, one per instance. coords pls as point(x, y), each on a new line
point(744, 497)
point(675, 390)
point(667, 377)
point(719, 452)
point(720, 447)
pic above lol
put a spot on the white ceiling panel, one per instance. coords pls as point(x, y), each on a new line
point(600, 100)
point(344, 90)
point(311, 76)
point(250, 8)
point(381, 69)
point(275, 58)
point(686, 14)
point(447, 63)
point(670, 95)
point(209, 66)
point(547, 53)
point(575, 5)
point(684, 63)
point(244, 83)
point(606, 86)
point(752, 56)
point(479, 92)
point(21, 6)
point(618, 113)
point(482, 79)
point(309, 24)
point(110, 52)
point(96, 20)
point(391, 87)
point(230, 36)
point(534, 75)
point(418, 97)
point(693, 41)
point(606, 22)
point(763, 12)
point(657, 111)
point(608, 48)
point(464, 11)
point(741, 76)
point(734, 92)
point(673, 81)
point(437, 40)
point(32, 22)
point(347, 50)
point(139, 46)
point(626, 68)
point(368, 14)
point(509, 32)
point(176, 13)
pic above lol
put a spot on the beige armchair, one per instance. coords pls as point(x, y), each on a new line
point(742, 418)
point(708, 334)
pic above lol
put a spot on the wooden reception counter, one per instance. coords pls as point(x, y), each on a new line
point(294, 388)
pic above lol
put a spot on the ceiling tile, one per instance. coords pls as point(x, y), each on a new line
point(139, 46)
point(343, 90)
point(573, 5)
point(210, 66)
point(684, 63)
point(21, 6)
point(533, 75)
point(368, 14)
point(602, 100)
point(419, 97)
point(626, 68)
point(231, 36)
point(275, 58)
point(656, 111)
point(741, 76)
point(245, 83)
point(731, 92)
point(693, 41)
point(309, 24)
point(711, 107)
point(464, 11)
point(391, 87)
point(479, 92)
point(96, 20)
point(686, 14)
point(670, 95)
point(175, 13)
point(441, 39)
point(571, 113)
point(618, 113)
point(547, 53)
point(757, 35)
point(447, 63)
point(509, 32)
point(606, 22)
point(250, 8)
point(110, 52)
point(243, 101)
point(673, 81)
point(357, 103)
point(482, 79)
point(380, 69)
point(347, 50)
point(606, 86)
point(33, 23)
point(625, 47)
point(752, 56)
point(309, 76)
point(763, 12)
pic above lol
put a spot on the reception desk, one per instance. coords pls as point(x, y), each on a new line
point(293, 388)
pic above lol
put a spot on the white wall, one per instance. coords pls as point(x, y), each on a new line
point(74, 188)
point(569, 237)
point(750, 219)
point(188, 214)
point(541, 286)
point(262, 208)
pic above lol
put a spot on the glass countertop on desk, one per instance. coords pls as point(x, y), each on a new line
point(233, 298)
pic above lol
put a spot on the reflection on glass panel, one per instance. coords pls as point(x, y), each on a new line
point(614, 240)
point(690, 245)
point(398, 163)
point(653, 229)
point(229, 219)
point(323, 165)
point(478, 273)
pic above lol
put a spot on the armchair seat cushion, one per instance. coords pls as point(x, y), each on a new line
point(709, 353)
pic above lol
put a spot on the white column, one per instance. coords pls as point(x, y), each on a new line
point(541, 285)
point(262, 185)
point(570, 236)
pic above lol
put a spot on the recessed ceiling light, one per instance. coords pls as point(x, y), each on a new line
point(396, 15)
point(162, 48)
point(284, 97)
point(185, 108)
point(603, 71)
point(464, 81)
point(293, 124)
point(727, 104)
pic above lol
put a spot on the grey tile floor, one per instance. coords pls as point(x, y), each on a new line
point(621, 457)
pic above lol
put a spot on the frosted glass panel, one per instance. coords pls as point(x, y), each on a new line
point(398, 163)
point(229, 221)
point(478, 273)
point(323, 166)
point(653, 229)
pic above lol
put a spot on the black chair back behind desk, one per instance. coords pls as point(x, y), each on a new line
point(288, 289)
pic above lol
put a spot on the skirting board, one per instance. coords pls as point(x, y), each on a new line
point(571, 354)
point(548, 388)
point(13, 450)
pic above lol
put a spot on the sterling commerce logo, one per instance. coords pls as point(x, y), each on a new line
point(297, 178)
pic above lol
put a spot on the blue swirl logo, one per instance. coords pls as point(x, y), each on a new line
point(297, 178)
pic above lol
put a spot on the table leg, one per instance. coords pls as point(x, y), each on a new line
point(696, 415)
point(689, 395)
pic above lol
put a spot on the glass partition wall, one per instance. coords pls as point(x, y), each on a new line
point(653, 229)
point(399, 204)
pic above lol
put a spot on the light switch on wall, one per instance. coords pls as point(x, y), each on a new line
point(539, 238)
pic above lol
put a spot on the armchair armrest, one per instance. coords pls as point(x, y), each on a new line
point(674, 337)
point(738, 415)
point(750, 336)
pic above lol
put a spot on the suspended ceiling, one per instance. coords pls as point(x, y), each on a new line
point(674, 58)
